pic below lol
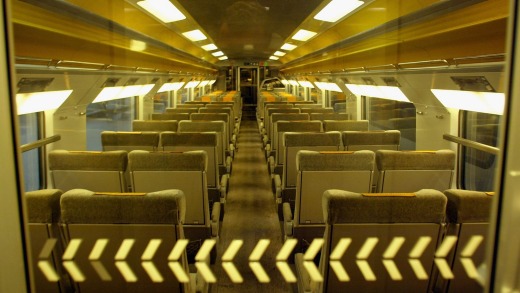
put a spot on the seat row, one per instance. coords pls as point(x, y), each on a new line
point(395, 225)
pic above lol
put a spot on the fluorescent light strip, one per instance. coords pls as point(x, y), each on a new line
point(303, 35)
point(40, 101)
point(383, 92)
point(223, 58)
point(337, 9)
point(288, 47)
point(218, 54)
point(163, 10)
point(306, 83)
point(278, 53)
point(211, 82)
point(120, 92)
point(209, 47)
point(192, 84)
point(293, 82)
point(284, 82)
point(171, 86)
point(274, 58)
point(485, 102)
point(195, 35)
point(203, 83)
point(328, 86)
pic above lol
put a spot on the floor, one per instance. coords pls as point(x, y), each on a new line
point(251, 216)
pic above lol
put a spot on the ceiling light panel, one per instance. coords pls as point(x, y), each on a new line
point(195, 35)
point(485, 102)
point(223, 58)
point(218, 54)
point(163, 10)
point(274, 58)
point(303, 35)
point(337, 9)
point(209, 47)
point(278, 53)
point(288, 47)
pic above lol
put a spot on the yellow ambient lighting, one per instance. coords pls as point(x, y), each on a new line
point(288, 47)
point(306, 83)
point(120, 92)
point(278, 53)
point(274, 58)
point(284, 82)
point(171, 86)
point(163, 10)
point(328, 86)
point(485, 102)
point(211, 82)
point(192, 84)
point(383, 92)
point(195, 35)
point(203, 83)
point(40, 101)
point(218, 54)
point(293, 82)
point(209, 47)
point(223, 58)
point(337, 9)
point(137, 46)
point(303, 35)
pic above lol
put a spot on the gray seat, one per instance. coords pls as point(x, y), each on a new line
point(155, 125)
point(234, 120)
point(181, 106)
point(330, 116)
point(43, 208)
point(345, 125)
point(371, 140)
point(377, 219)
point(171, 116)
point(99, 171)
point(316, 110)
point(112, 222)
point(230, 126)
point(468, 213)
point(318, 172)
point(275, 117)
point(152, 171)
point(182, 110)
point(267, 130)
point(405, 171)
point(129, 141)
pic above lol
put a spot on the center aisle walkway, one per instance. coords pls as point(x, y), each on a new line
point(250, 216)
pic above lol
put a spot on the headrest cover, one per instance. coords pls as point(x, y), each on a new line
point(332, 138)
point(202, 126)
point(88, 161)
point(389, 137)
point(298, 126)
point(404, 160)
point(189, 139)
point(167, 161)
point(43, 206)
point(331, 116)
point(289, 117)
point(465, 206)
point(210, 116)
point(154, 125)
point(316, 161)
point(112, 138)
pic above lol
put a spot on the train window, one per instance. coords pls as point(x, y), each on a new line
point(386, 114)
point(160, 102)
point(115, 115)
point(30, 132)
point(478, 167)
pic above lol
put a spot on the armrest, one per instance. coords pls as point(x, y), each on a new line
point(287, 219)
point(232, 150)
point(272, 164)
point(304, 280)
point(223, 187)
point(228, 164)
point(278, 188)
point(215, 217)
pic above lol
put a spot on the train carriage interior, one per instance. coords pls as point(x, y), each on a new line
point(260, 146)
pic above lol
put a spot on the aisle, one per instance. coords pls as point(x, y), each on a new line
point(250, 216)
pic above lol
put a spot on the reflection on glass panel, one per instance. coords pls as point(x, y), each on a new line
point(160, 102)
point(479, 166)
point(115, 115)
point(386, 114)
point(29, 132)
point(338, 101)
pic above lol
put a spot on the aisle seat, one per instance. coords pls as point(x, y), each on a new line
point(371, 140)
point(275, 117)
point(171, 116)
point(330, 116)
point(181, 110)
point(345, 125)
point(155, 125)
point(129, 141)
point(316, 110)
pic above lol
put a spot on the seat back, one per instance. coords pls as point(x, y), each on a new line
point(115, 222)
point(129, 141)
point(321, 171)
point(381, 221)
point(182, 110)
point(209, 126)
point(99, 171)
point(270, 111)
point(153, 171)
point(405, 171)
point(43, 207)
point(468, 213)
point(217, 117)
point(345, 125)
point(281, 127)
point(330, 116)
point(295, 142)
point(155, 125)
point(180, 106)
point(171, 116)
point(371, 140)
point(275, 117)
point(316, 110)
point(192, 141)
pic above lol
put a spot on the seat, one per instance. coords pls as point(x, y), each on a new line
point(377, 221)
point(155, 125)
point(111, 234)
point(171, 116)
point(185, 105)
point(308, 105)
point(99, 171)
point(316, 110)
point(275, 117)
point(345, 125)
point(182, 110)
point(43, 207)
point(233, 120)
point(405, 171)
point(262, 119)
point(371, 140)
point(186, 171)
point(468, 213)
point(318, 172)
point(330, 116)
point(230, 126)
point(129, 141)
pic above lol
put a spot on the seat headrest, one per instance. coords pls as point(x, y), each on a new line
point(88, 161)
point(43, 206)
point(335, 161)
point(388, 137)
point(189, 139)
point(415, 160)
point(168, 161)
point(468, 206)
point(332, 138)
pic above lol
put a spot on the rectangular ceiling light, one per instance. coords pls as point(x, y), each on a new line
point(284, 82)
point(40, 101)
point(293, 82)
point(218, 54)
point(209, 47)
point(120, 92)
point(278, 53)
point(195, 35)
point(383, 92)
point(303, 35)
point(306, 83)
point(223, 58)
point(163, 10)
point(203, 83)
point(274, 58)
point(288, 47)
point(171, 86)
point(329, 86)
point(192, 84)
point(485, 102)
point(337, 9)
point(211, 82)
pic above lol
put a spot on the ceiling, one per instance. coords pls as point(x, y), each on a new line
point(249, 29)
